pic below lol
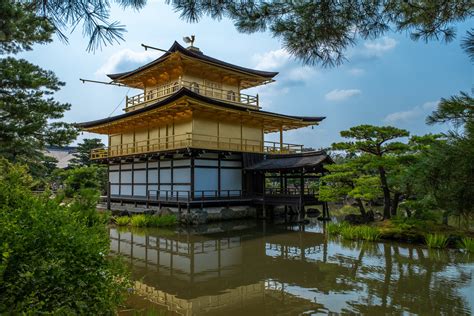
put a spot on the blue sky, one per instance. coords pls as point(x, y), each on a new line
point(390, 81)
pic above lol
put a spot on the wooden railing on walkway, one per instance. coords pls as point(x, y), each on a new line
point(193, 140)
point(143, 99)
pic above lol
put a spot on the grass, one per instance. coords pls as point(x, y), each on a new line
point(122, 220)
point(467, 244)
point(363, 232)
point(142, 220)
point(438, 241)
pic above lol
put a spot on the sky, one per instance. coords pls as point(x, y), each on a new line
point(388, 81)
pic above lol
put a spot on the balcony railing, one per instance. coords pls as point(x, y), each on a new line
point(143, 99)
point(193, 140)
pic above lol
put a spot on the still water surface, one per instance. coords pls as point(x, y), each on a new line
point(253, 268)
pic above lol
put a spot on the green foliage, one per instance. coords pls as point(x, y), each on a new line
point(142, 220)
point(138, 220)
point(349, 232)
point(20, 28)
point(83, 152)
point(436, 240)
point(73, 180)
point(28, 113)
point(53, 255)
point(122, 220)
point(321, 31)
point(467, 244)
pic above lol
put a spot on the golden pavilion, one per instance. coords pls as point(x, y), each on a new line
point(192, 138)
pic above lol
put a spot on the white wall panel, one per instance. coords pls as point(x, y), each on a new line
point(181, 175)
point(165, 175)
point(231, 179)
point(139, 165)
point(153, 164)
point(139, 190)
point(114, 177)
point(139, 176)
point(114, 189)
point(205, 179)
point(126, 177)
point(126, 189)
point(183, 162)
point(127, 166)
point(114, 167)
point(153, 176)
point(165, 163)
point(203, 162)
point(230, 163)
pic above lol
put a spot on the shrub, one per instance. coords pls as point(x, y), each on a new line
point(122, 220)
point(436, 240)
point(468, 244)
point(335, 229)
point(53, 256)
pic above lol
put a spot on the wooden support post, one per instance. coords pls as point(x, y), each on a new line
point(281, 138)
point(108, 196)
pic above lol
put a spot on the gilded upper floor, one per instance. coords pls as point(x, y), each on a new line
point(189, 68)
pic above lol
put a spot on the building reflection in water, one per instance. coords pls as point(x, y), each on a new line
point(258, 269)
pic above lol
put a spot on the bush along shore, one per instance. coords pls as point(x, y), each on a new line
point(145, 220)
point(406, 230)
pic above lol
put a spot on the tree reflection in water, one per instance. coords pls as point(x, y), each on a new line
point(257, 268)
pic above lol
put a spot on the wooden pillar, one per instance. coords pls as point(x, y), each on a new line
point(281, 138)
point(108, 186)
point(192, 177)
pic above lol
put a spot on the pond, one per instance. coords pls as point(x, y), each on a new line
point(257, 268)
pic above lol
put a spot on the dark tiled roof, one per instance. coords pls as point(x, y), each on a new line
point(307, 160)
point(186, 92)
point(178, 48)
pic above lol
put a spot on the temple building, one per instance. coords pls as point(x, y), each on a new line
point(192, 139)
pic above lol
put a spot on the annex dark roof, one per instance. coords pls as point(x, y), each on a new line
point(186, 92)
point(176, 47)
point(307, 160)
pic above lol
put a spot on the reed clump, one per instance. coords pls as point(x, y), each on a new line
point(142, 220)
point(349, 232)
point(437, 241)
point(467, 244)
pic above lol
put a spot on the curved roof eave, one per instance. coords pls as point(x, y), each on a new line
point(186, 92)
point(176, 47)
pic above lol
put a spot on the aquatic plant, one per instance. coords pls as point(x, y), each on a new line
point(161, 221)
point(122, 220)
point(350, 232)
point(153, 221)
point(369, 233)
point(335, 228)
point(436, 240)
point(467, 244)
point(138, 220)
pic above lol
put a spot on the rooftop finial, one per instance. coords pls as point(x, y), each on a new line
point(189, 40)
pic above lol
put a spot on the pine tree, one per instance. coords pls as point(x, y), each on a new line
point(83, 152)
point(28, 112)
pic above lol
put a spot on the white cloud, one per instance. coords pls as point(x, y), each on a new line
point(412, 114)
point(356, 71)
point(380, 46)
point(301, 73)
point(271, 60)
point(341, 94)
point(125, 60)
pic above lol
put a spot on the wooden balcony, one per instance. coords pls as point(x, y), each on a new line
point(193, 140)
point(143, 99)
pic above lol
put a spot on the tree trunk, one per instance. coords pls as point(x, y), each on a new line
point(386, 193)
point(361, 207)
point(395, 201)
